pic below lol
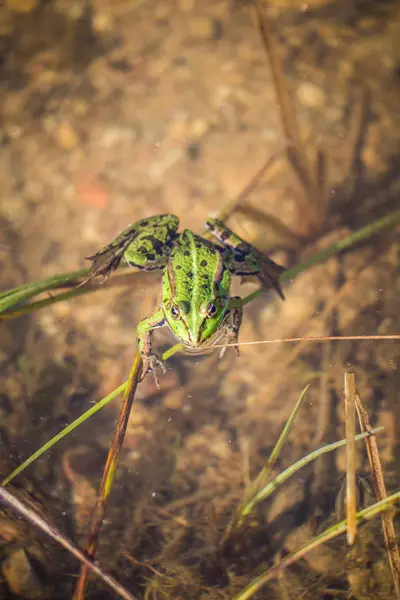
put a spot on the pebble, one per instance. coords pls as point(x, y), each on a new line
point(67, 136)
point(311, 95)
point(201, 28)
point(20, 578)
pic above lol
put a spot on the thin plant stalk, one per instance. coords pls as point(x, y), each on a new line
point(356, 237)
point(264, 474)
point(329, 534)
point(351, 494)
point(32, 517)
point(109, 473)
point(67, 430)
point(271, 486)
point(313, 204)
point(381, 494)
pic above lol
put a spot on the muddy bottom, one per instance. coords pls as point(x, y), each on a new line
point(115, 111)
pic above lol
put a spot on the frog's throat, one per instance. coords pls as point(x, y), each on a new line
point(198, 348)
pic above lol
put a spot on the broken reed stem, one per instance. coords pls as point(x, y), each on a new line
point(351, 493)
point(381, 493)
point(108, 473)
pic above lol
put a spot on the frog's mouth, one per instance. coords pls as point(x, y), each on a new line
point(196, 347)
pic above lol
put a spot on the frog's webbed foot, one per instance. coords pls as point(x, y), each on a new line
point(232, 325)
point(245, 259)
point(152, 363)
point(146, 244)
point(103, 263)
point(269, 274)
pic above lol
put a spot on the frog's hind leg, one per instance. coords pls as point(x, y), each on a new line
point(244, 259)
point(145, 244)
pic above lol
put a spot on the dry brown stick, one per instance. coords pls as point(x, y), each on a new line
point(32, 517)
point(381, 493)
point(309, 177)
point(109, 472)
point(351, 494)
point(285, 106)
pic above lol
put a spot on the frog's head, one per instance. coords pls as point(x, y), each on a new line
point(195, 312)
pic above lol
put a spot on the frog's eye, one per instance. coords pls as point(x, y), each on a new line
point(211, 310)
point(175, 312)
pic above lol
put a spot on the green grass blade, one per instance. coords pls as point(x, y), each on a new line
point(325, 536)
point(65, 432)
point(361, 235)
point(285, 432)
point(10, 298)
point(262, 478)
point(282, 477)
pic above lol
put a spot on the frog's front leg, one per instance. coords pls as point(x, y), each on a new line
point(144, 333)
point(232, 324)
point(145, 244)
point(244, 259)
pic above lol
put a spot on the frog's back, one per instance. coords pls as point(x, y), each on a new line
point(197, 266)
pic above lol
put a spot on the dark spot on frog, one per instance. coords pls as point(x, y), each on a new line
point(178, 267)
point(151, 256)
point(184, 305)
point(186, 253)
point(203, 263)
point(239, 258)
point(204, 286)
point(189, 274)
point(224, 235)
point(144, 223)
point(205, 277)
point(210, 226)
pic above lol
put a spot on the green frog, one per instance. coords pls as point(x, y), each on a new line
point(195, 301)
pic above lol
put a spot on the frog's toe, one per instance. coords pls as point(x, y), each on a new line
point(269, 275)
point(224, 349)
point(152, 363)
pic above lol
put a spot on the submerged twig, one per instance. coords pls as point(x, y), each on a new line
point(32, 517)
point(313, 204)
point(109, 472)
point(381, 494)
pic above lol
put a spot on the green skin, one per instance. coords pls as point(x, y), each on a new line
point(195, 304)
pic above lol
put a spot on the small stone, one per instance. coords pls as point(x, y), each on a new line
point(201, 28)
point(22, 6)
point(101, 22)
point(186, 5)
point(20, 577)
point(310, 95)
point(66, 136)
